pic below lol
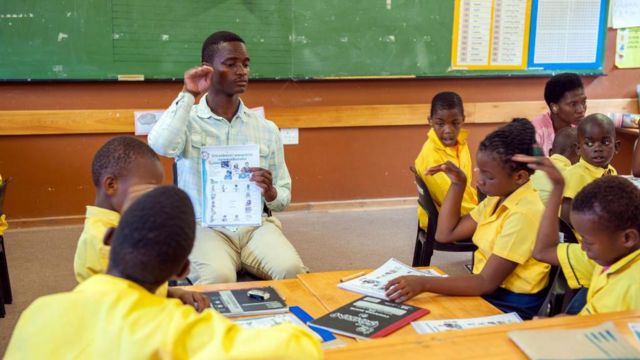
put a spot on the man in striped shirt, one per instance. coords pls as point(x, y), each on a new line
point(221, 118)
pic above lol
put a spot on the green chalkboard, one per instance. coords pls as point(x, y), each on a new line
point(160, 39)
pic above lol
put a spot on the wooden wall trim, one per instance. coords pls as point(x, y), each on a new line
point(43, 122)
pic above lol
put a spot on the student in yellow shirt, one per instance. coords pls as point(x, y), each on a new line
point(563, 153)
point(120, 165)
point(503, 227)
point(446, 141)
point(597, 145)
point(117, 315)
point(607, 214)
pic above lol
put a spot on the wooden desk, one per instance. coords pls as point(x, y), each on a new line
point(324, 286)
point(482, 343)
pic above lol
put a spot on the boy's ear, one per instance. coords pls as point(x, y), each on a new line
point(521, 177)
point(184, 271)
point(576, 146)
point(110, 185)
point(108, 236)
point(631, 238)
point(616, 146)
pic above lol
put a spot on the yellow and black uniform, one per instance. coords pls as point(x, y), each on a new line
point(508, 231)
point(92, 255)
point(3, 224)
point(615, 288)
point(582, 173)
point(541, 181)
point(435, 153)
point(107, 317)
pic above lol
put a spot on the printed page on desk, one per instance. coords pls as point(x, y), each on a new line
point(599, 342)
point(431, 326)
point(273, 320)
point(229, 198)
point(373, 283)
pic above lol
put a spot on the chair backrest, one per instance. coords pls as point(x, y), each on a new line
point(425, 200)
point(567, 232)
point(424, 197)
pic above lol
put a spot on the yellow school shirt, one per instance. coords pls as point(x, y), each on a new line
point(92, 255)
point(434, 153)
point(541, 181)
point(107, 317)
point(582, 173)
point(614, 289)
point(510, 233)
point(3, 224)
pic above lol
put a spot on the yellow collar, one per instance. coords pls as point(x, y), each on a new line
point(623, 262)
point(517, 195)
point(560, 161)
point(104, 282)
point(597, 171)
point(512, 199)
point(107, 216)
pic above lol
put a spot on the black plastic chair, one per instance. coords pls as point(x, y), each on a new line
point(560, 294)
point(6, 297)
point(426, 239)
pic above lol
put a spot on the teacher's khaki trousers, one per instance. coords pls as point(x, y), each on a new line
point(218, 254)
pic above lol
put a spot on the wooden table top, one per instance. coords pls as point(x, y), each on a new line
point(324, 285)
point(482, 343)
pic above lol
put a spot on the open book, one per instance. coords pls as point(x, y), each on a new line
point(373, 283)
point(296, 316)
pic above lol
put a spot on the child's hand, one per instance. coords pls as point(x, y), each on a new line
point(455, 174)
point(404, 288)
point(544, 164)
point(196, 299)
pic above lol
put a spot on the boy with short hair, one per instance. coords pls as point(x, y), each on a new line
point(606, 213)
point(446, 141)
point(597, 145)
point(116, 315)
point(122, 165)
point(564, 153)
point(567, 102)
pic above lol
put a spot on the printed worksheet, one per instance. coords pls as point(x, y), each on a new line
point(431, 326)
point(373, 283)
point(229, 197)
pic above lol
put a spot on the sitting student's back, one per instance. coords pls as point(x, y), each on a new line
point(116, 315)
point(563, 154)
point(446, 141)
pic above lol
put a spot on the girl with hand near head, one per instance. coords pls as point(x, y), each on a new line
point(503, 226)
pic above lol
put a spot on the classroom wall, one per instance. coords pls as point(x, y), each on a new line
point(52, 173)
